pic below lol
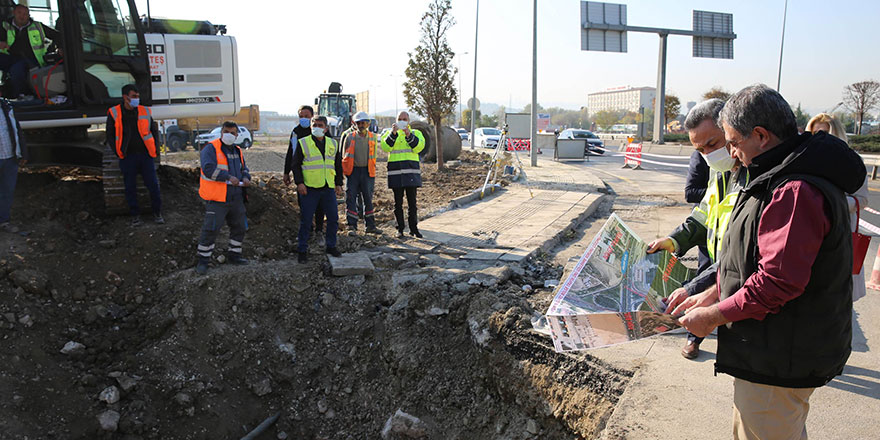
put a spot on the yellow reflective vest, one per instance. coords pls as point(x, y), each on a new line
point(318, 169)
point(37, 38)
point(715, 209)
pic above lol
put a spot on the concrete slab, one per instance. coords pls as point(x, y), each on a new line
point(357, 263)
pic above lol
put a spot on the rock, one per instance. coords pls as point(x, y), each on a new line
point(437, 311)
point(551, 283)
point(281, 436)
point(221, 258)
point(404, 425)
point(474, 281)
point(526, 287)
point(517, 270)
point(110, 395)
point(480, 335)
point(262, 387)
point(26, 321)
point(109, 420)
point(126, 383)
point(31, 281)
point(183, 399)
point(390, 261)
point(72, 348)
point(107, 244)
point(461, 287)
point(10, 317)
point(357, 263)
point(322, 406)
point(532, 427)
point(330, 414)
point(113, 278)
point(289, 349)
point(491, 276)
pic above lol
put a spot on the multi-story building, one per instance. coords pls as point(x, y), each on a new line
point(621, 98)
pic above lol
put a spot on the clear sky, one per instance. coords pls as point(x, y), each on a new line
point(291, 50)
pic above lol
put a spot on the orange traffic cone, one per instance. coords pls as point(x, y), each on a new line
point(874, 283)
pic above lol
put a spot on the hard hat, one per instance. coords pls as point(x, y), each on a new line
point(361, 116)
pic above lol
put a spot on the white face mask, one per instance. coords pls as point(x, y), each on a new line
point(720, 160)
point(401, 125)
point(317, 132)
point(227, 138)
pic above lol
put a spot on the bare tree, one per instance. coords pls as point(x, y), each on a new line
point(860, 98)
point(430, 86)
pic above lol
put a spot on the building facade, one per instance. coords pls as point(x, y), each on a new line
point(621, 98)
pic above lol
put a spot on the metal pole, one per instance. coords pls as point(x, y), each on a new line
point(660, 98)
point(533, 151)
point(460, 118)
point(781, 45)
point(473, 109)
point(149, 18)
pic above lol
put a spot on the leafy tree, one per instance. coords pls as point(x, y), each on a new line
point(488, 121)
point(716, 92)
point(860, 98)
point(466, 117)
point(606, 118)
point(801, 117)
point(671, 107)
point(430, 85)
point(528, 108)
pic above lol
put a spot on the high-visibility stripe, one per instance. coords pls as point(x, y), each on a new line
point(204, 254)
point(206, 248)
point(401, 151)
point(234, 243)
point(405, 171)
point(223, 167)
point(216, 173)
point(236, 250)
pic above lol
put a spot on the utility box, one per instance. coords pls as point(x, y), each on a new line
point(570, 149)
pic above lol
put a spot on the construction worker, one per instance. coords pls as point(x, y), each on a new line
point(404, 176)
point(303, 129)
point(23, 45)
point(224, 175)
point(317, 171)
point(13, 152)
point(132, 133)
point(359, 167)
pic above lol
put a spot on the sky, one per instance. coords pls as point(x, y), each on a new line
point(290, 51)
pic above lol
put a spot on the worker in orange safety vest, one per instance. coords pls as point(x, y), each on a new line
point(359, 166)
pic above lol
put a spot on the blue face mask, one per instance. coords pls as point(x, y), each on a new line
point(304, 122)
point(135, 102)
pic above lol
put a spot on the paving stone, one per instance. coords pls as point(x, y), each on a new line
point(357, 263)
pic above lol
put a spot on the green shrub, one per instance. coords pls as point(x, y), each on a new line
point(681, 138)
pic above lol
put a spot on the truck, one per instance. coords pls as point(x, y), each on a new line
point(182, 68)
point(337, 107)
point(183, 131)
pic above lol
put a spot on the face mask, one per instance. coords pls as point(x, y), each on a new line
point(402, 124)
point(227, 138)
point(135, 102)
point(304, 122)
point(720, 160)
point(317, 132)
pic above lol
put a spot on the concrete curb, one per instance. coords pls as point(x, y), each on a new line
point(475, 195)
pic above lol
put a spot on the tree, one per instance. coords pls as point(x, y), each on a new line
point(801, 117)
point(488, 121)
point(430, 85)
point(606, 118)
point(717, 92)
point(860, 98)
point(528, 108)
point(466, 117)
point(671, 107)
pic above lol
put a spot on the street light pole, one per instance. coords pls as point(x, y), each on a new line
point(533, 144)
point(781, 45)
point(460, 118)
point(474, 101)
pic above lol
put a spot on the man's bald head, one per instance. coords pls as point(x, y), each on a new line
point(403, 116)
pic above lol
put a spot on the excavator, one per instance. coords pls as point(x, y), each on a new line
point(183, 68)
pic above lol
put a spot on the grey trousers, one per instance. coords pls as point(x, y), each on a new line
point(232, 213)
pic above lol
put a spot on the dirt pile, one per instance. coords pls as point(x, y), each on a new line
point(105, 332)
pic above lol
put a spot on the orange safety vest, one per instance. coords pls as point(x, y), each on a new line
point(145, 118)
point(210, 189)
point(348, 157)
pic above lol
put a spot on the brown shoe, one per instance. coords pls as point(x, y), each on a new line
point(691, 350)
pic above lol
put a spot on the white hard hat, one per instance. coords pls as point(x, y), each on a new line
point(361, 116)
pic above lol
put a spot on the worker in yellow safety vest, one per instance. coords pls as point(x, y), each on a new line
point(23, 45)
point(317, 172)
point(708, 220)
point(131, 134)
point(359, 166)
point(403, 145)
point(224, 177)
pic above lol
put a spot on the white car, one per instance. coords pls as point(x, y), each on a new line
point(487, 137)
point(463, 133)
point(244, 140)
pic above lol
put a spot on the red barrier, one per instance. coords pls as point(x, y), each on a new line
point(519, 144)
point(633, 155)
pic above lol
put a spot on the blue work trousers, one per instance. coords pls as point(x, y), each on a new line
point(8, 176)
point(18, 69)
point(326, 199)
point(142, 164)
point(359, 183)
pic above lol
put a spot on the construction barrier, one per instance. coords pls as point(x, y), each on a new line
point(633, 156)
point(519, 144)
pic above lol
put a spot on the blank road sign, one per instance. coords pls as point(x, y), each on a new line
point(603, 40)
point(721, 24)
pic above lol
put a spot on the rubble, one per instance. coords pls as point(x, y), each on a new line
point(403, 425)
point(73, 348)
point(357, 263)
point(32, 281)
point(109, 420)
point(110, 395)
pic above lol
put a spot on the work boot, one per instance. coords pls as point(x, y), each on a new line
point(302, 257)
point(373, 230)
point(158, 219)
point(400, 233)
point(691, 350)
point(202, 266)
point(236, 258)
point(415, 233)
point(334, 252)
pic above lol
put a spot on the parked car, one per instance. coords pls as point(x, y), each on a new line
point(463, 133)
point(487, 137)
point(244, 140)
point(594, 144)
